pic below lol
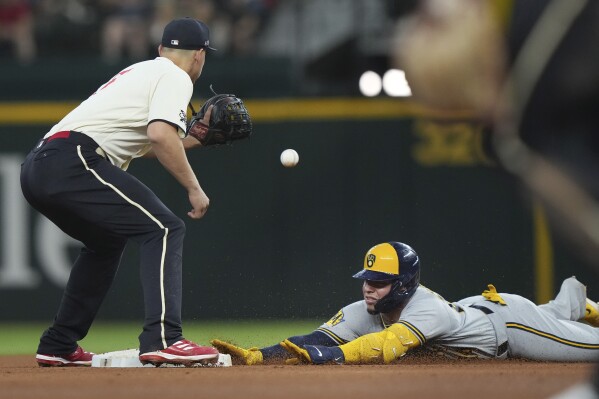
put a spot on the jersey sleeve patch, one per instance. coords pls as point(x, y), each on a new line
point(338, 318)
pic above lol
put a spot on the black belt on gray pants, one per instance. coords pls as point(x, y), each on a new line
point(502, 348)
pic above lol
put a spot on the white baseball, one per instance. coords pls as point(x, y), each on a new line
point(289, 158)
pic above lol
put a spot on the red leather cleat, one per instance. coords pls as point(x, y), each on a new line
point(78, 358)
point(182, 352)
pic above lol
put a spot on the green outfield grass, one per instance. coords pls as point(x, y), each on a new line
point(22, 338)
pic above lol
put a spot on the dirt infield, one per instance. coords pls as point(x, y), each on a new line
point(21, 378)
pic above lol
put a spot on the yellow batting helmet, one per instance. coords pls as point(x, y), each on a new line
point(395, 262)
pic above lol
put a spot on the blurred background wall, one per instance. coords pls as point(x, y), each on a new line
point(277, 242)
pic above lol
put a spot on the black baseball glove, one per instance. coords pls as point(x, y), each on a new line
point(229, 121)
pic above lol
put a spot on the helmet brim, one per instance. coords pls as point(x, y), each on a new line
point(375, 276)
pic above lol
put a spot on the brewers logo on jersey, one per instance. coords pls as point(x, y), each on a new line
point(338, 318)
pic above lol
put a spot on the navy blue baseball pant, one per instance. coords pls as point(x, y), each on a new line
point(102, 206)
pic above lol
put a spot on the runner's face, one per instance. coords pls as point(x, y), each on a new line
point(373, 291)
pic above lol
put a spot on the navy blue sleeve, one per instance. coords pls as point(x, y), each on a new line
point(314, 338)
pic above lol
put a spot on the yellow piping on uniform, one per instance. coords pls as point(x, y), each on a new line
point(551, 336)
point(331, 334)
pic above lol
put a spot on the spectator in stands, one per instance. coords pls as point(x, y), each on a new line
point(125, 30)
point(235, 24)
point(203, 10)
point(245, 19)
point(17, 29)
point(66, 28)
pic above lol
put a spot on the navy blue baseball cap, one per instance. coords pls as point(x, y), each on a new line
point(187, 34)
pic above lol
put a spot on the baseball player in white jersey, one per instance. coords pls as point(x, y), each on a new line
point(76, 176)
point(398, 314)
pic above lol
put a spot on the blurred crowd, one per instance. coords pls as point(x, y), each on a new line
point(120, 30)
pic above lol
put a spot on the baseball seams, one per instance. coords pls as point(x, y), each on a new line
point(164, 239)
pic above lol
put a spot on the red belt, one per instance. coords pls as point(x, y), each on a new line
point(59, 135)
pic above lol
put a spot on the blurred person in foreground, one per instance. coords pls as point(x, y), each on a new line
point(398, 316)
point(527, 69)
point(76, 176)
point(530, 70)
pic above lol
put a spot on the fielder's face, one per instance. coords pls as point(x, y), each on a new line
point(373, 291)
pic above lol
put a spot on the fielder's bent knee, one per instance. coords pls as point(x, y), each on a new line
point(176, 226)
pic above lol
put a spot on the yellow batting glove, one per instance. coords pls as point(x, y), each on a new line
point(299, 353)
point(591, 314)
point(315, 354)
point(249, 357)
point(492, 295)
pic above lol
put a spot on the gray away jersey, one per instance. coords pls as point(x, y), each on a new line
point(547, 332)
point(429, 317)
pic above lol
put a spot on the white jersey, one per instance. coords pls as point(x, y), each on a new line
point(429, 317)
point(116, 116)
